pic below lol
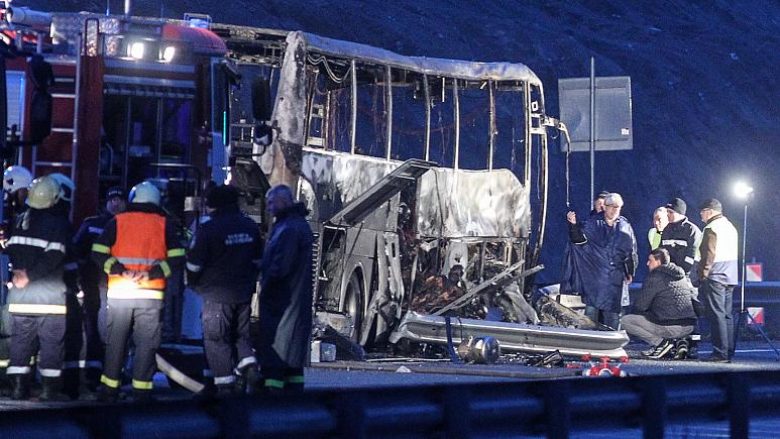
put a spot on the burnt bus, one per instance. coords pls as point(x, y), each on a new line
point(417, 172)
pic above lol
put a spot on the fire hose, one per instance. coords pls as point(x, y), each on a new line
point(178, 376)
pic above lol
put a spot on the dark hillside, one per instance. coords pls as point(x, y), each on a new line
point(704, 78)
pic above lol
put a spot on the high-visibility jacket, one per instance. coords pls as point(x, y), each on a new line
point(38, 246)
point(654, 238)
point(720, 251)
point(141, 240)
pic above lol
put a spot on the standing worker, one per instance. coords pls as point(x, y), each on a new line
point(286, 293)
point(681, 237)
point(660, 221)
point(600, 261)
point(16, 180)
point(36, 300)
point(74, 338)
point(222, 267)
point(717, 276)
point(138, 250)
point(93, 285)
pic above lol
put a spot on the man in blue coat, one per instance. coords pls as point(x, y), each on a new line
point(286, 293)
point(600, 261)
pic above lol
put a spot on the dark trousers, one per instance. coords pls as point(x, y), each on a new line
point(145, 326)
point(611, 319)
point(716, 298)
point(43, 335)
point(226, 339)
point(83, 347)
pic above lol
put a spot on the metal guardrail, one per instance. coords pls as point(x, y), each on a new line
point(647, 406)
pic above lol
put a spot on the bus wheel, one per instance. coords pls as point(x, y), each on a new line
point(353, 305)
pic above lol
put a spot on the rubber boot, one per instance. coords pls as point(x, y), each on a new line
point(107, 394)
point(52, 389)
point(226, 390)
point(249, 380)
point(70, 382)
point(142, 396)
point(20, 386)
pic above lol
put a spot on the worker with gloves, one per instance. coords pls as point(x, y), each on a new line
point(37, 250)
point(138, 250)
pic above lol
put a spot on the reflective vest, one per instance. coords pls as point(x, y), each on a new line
point(654, 237)
point(140, 245)
point(726, 265)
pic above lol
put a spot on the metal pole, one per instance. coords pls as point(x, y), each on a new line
point(128, 7)
point(744, 259)
point(592, 125)
point(353, 119)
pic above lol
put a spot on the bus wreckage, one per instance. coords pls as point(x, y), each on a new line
point(418, 175)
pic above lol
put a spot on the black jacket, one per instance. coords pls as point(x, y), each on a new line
point(286, 293)
point(224, 257)
point(681, 240)
point(39, 245)
point(666, 297)
point(91, 276)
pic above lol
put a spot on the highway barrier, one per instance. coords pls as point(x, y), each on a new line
point(646, 406)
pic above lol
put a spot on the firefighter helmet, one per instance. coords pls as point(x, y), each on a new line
point(145, 192)
point(67, 186)
point(15, 178)
point(44, 192)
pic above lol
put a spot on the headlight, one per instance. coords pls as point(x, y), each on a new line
point(168, 53)
point(136, 50)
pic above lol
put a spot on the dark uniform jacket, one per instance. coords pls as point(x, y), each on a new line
point(681, 239)
point(224, 257)
point(286, 293)
point(91, 275)
point(597, 261)
point(39, 245)
point(666, 297)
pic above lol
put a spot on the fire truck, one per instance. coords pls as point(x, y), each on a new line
point(130, 99)
point(417, 171)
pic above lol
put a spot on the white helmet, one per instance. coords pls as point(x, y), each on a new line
point(145, 192)
point(67, 186)
point(15, 178)
point(44, 192)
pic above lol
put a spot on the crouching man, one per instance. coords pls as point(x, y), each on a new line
point(663, 308)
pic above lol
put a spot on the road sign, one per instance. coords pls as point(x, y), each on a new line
point(754, 272)
point(614, 129)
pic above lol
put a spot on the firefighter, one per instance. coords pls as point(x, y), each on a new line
point(93, 287)
point(36, 300)
point(286, 293)
point(222, 266)
point(138, 250)
point(16, 179)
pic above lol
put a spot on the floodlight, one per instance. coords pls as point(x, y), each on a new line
point(742, 190)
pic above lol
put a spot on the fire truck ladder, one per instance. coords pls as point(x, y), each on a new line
point(58, 152)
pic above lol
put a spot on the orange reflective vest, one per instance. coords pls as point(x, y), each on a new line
point(139, 246)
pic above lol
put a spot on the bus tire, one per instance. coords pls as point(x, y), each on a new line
point(353, 305)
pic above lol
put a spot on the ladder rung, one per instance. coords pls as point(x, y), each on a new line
point(62, 130)
point(63, 95)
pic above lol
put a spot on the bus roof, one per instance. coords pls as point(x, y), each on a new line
point(468, 70)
